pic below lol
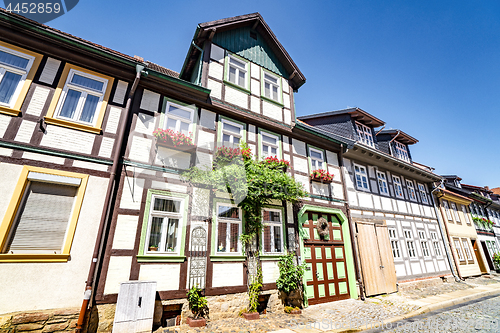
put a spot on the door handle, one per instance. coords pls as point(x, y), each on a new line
point(140, 302)
point(381, 266)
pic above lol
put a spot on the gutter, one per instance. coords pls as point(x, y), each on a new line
point(98, 254)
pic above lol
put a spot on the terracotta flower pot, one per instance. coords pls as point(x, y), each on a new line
point(200, 322)
point(251, 315)
point(296, 312)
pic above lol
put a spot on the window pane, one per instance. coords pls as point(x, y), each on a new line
point(275, 93)
point(236, 141)
point(269, 139)
point(267, 90)
point(171, 124)
point(184, 128)
point(13, 60)
point(317, 155)
point(221, 237)
point(8, 86)
point(167, 205)
point(155, 232)
point(87, 83)
point(226, 138)
point(274, 151)
point(241, 78)
point(271, 216)
point(231, 128)
point(171, 242)
point(233, 237)
point(70, 103)
point(237, 62)
point(277, 239)
point(232, 74)
point(229, 212)
point(179, 112)
point(89, 108)
point(267, 239)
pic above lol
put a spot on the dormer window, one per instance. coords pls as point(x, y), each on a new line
point(401, 152)
point(365, 134)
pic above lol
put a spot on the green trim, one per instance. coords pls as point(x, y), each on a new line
point(178, 257)
point(279, 102)
point(150, 167)
point(219, 130)
point(226, 72)
point(259, 142)
point(213, 253)
point(273, 256)
point(309, 157)
point(349, 257)
point(53, 153)
point(320, 197)
point(189, 106)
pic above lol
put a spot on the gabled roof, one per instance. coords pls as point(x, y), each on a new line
point(206, 31)
point(355, 113)
point(400, 136)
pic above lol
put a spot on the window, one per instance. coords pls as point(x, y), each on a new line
point(270, 144)
point(397, 187)
point(455, 212)
point(14, 69)
point(411, 190)
point(361, 177)
point(365, 134)
point(231, 133)
point(317, 161)
point(81, 97)
point(272, 233)
point(271, 86)
point(394, 243)
point(165, 223)
point(409, 244)
point(467, 250)
point(237, 71)
point(435, 243)
point(228, 229)
point(447, 210)
point(382, 183)
point(423, 194)
point(44, 211)
point(458, 247)
point(178, 118)
point(423, 243)
point(401, 151)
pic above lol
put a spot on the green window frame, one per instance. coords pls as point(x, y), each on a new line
point(309, 158)
point(274, 255)
point(149, 256)
point(226, 256)
point(279, 85)
point(261, 143)
point(184, 106)
point(238, 70)
point(220, 129)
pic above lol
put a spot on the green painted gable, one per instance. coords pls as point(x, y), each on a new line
point(256, 50)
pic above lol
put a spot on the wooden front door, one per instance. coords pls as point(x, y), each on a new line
point(479, 257)
point(377, 261)
point(326, 271)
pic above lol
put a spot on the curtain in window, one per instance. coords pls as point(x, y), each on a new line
point(233, 238)
point(155, 233)
point(8, 86)
point(89, 109)
point(267, 239)
point(13, 60)
point(221, 237)
point(87, 83)
point(70, 103)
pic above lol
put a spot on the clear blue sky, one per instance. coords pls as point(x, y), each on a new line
point(429, 68)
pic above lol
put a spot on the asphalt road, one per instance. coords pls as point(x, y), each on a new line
point(481, 315)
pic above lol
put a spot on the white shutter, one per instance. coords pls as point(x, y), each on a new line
point(50, 70)
point(121, 90)
point(42, 219)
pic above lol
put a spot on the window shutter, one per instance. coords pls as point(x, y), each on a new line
point(42, 220)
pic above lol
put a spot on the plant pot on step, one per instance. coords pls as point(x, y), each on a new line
point(251, 315)
point(200, 322)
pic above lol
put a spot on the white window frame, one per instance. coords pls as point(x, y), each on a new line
point(16, 70)
point(455, 212)
point(447, 210)
point(238, 69)
point(382, 183)
point(411, 190)
point(84, 93)
point(361, 176)
point(271, 85)
point(365, 134)
point(435, 243)
point(458, 249)
point(169, 215)
point(313, 159)
point(178, 119)
point(401, 151)
point(273, 224)
point(410, 246)
point(467, 250)
point(396, 251)
point(232, 135)
point(398, 187)
point(423, 193)
point(229, 221)
point(269, 145)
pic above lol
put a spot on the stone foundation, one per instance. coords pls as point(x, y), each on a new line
point(424, 283)
point(46, 321)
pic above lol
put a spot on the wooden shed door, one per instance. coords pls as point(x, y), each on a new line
point(135, 307)
point(326, 271)
point(377, 261)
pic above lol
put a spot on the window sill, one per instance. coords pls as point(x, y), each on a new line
point(34, 257)
point(72, 125)
point(9, 111)
point(281, 105)
point(227, 258)
point(160, 258)
point(245, 90)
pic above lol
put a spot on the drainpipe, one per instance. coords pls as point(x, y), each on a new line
point(352, 228)
point(107, 209)
point(380, 130)
point(440, 224)
point(394, 138)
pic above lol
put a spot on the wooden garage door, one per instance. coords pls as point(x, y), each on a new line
point(377, 261)
point(326, 271)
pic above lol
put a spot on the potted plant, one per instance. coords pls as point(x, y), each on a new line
point(276, 163)
point(227, 155)
point(322, 176)
point(171, 139)
point(153, 248)
point(198, 306)
point(253, 296)
point(290, 283)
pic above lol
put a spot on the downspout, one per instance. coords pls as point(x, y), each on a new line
point(440, 225)
point(394, 138)
point(106, 213)
point(352, 228)
point(380, 130)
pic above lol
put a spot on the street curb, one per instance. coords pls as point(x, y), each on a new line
point(424, 309)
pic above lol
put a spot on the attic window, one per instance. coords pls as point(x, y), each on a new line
point(365, 134)
point(401, 152)
point(253, 35)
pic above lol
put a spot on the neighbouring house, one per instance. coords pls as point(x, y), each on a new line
point(397, 229)
point(461, 234)
point(494, 213)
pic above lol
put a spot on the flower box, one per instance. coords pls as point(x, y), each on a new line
point(200, 322)
point(251, 315)
point(321, 176)
point(227, 155)
point(276, 163)
point(175, 140)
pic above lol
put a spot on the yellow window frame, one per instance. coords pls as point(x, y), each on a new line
point(51, 119)
point(13, 207)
